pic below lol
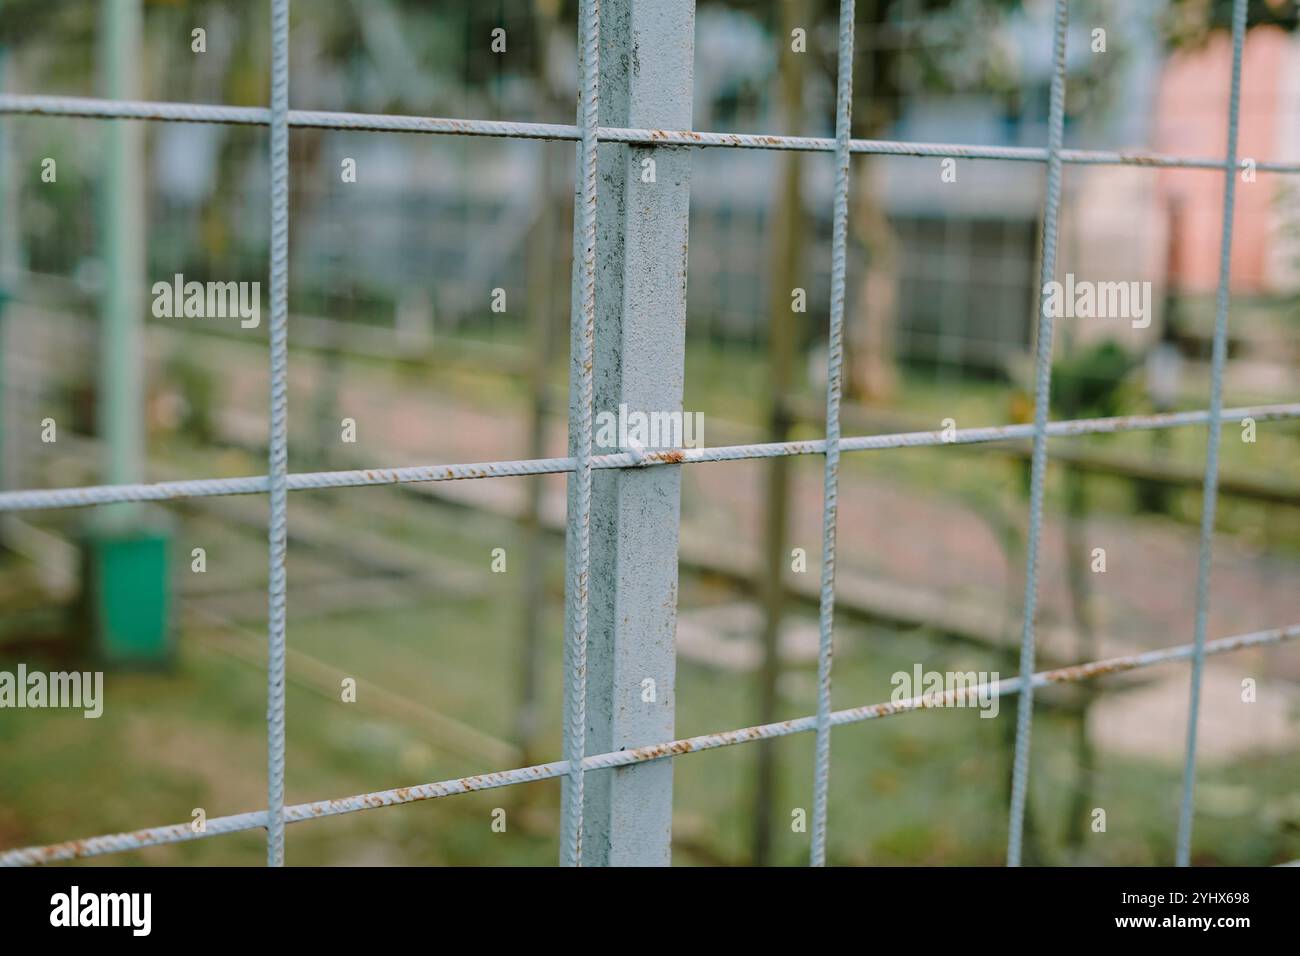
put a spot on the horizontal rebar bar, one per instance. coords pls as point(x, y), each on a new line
point(36, 499)
point(215, 826)
point(92, 108)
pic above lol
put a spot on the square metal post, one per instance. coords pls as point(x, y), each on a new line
point(121, 398)
point(643, 198)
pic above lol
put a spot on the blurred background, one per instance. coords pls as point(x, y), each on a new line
point(392, 325)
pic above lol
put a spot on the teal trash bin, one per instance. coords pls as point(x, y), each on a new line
point(126, 596)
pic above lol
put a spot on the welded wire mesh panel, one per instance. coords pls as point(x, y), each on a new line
point(583, 462)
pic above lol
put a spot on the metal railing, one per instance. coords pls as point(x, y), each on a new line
point(627, 500)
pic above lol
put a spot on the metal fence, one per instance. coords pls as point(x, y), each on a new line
point(627, 346)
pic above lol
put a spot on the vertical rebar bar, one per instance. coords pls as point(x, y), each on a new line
point(834, 370)
point(1038, 467)
point(278, 463)
point(582, 344)
point(1210, 489)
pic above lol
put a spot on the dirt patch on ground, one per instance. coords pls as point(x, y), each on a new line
point(1151, 721)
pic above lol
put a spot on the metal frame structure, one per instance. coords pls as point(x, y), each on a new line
point(627, 345)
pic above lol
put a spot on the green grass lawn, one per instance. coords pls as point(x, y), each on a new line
point(921, 788)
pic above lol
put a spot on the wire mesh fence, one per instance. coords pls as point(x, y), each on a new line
point(629, 285)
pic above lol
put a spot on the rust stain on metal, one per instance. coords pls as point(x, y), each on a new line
point(665, 750)
point(1067, 675)
point(1140, 158)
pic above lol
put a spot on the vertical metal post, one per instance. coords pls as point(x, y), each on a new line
point(122, 241)
point(646, 80)
point(1210, 487)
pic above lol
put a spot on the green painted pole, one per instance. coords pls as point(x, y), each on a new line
point(8, 261)
point(126, 590)
point(12, 271)
point(121, 379)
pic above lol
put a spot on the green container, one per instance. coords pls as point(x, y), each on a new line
point(125, 606)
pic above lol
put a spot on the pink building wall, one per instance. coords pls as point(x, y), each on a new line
point(1191, 120)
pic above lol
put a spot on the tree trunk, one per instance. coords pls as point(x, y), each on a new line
point(872, 373)
point(787, 236)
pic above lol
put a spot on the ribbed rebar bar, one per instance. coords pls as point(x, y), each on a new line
point(1038, 460)
point(83, 496)
point(834, 385)
point(583, 346)
point(1210, 489)
point(278, 455)
point(91, 108)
